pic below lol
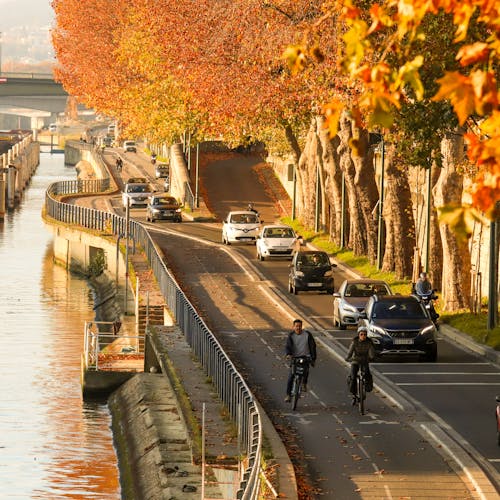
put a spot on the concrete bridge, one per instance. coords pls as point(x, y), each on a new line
point(34, 99)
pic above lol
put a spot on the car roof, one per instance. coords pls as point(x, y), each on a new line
point(311, 252)
point(276, 226)
point(246, 212)
point(395, 298)
point(366, 281)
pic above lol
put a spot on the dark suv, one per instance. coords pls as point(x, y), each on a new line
point(311, 270)
point(399, 324)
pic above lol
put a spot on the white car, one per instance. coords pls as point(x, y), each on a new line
point(136, 194)
point(240, 226)
point(276, 240)
point(129, 146)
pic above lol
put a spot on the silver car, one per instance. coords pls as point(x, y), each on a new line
point(351, 298)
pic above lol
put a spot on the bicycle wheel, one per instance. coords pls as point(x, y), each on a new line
point(297, 382)
point(361, 393)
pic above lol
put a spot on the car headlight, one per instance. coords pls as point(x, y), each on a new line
point(155, 210)
point(348, 307)
point(328, 273)
point(427, 329)
point(377, 331)
point(178, 210)
point(299, 273)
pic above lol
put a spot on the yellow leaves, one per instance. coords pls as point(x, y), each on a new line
point(470, 54)
point(486, 192)
point(295, 56)
point(332, 112)
point(408, 74)
point(460, 219)
point(458, 89)
point(355, 45)
point(462, 13)
point(468, 94)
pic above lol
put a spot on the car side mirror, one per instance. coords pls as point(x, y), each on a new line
point(337, 295)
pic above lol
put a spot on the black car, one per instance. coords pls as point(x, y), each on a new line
point(311, 270)
point(400, 325)
point(163, 207)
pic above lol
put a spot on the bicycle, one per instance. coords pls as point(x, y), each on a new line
point(361, 385)
point(300, 365)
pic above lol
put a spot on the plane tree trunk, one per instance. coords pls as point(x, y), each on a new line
point(455, 283)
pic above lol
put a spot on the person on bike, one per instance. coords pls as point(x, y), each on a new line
point(361, 351)
point(250, 208)
point(423, 288)
point(119, 164)
point(299, 342)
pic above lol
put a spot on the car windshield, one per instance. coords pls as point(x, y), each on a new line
point(398, 309)
point(366, 290)
point(244, 218)
point(314, 259)
point(278, 232)
point(169, 200)
point(137, 189)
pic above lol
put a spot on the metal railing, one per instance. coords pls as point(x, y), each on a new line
point(34, 76)
point(230, 385)
point(99, 337)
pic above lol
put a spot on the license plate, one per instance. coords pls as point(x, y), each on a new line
point(403, 341)
point(246, 238)
point(315, 284)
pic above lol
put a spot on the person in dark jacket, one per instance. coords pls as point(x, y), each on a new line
point(361, 351)
point(299, 343)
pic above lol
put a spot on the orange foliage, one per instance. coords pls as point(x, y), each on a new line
point(395, 30)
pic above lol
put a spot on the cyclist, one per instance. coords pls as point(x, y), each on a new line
point(299, 343)
point(361, 351)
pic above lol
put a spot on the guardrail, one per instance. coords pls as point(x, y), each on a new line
point(230, 385)
point(34, 76)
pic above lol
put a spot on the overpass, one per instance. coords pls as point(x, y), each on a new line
point(36, 96)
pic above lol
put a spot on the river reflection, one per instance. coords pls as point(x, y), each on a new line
point(52, 444)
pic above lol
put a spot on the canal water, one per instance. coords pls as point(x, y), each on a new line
point(53, 445)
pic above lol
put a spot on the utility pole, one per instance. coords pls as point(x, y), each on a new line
point(493, 277)
point(428, 220)
point(0, 52)
point(380, 237)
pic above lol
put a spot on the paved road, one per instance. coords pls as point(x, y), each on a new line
point(343, 455)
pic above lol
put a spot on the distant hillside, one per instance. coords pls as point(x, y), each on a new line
point(25, 26)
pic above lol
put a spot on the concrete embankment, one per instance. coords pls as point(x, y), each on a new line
point(153, 447)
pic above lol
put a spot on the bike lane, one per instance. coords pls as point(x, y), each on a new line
point(337, 453)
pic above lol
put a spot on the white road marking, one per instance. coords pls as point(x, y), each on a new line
point(441, 373)
point(448, 383)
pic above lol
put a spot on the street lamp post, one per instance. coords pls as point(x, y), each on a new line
point(318, 191)
point(428, 221)
point(380, 232)
point(196, 196)
point(127, 222)
point(342, 217)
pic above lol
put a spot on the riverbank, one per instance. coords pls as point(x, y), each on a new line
point(160, 418)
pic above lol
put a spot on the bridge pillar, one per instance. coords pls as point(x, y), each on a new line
point(11, 186)
point(2, 197)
